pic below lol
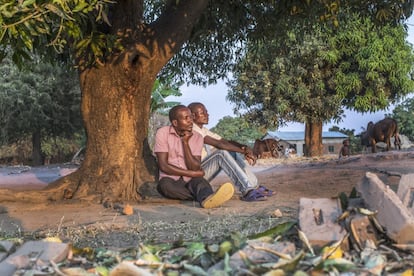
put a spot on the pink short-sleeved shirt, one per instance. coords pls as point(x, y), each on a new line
point(167, 140)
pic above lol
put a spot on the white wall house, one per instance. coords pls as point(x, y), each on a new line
point(331, 140)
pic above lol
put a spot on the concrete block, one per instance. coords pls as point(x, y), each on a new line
point(392, 214)
point(405, 191)
point(356, 203)
point(6, 248)
point(41, 250)
point(317, 219)
point(3, 256)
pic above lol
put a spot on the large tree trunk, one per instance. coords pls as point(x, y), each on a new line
point(313, 139)
point(115, 109)
point(37, 158)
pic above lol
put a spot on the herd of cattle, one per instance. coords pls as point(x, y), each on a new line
point(382, 131)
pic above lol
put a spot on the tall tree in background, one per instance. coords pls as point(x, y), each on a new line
point(237, 129)
point(310, 78)
point(120, 48)
point(404, 114)
point(41, 100)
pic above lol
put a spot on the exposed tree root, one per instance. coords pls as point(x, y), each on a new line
point(32, 196)
point(85, 186)
point(62, 189)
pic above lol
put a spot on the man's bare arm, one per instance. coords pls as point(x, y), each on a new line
point(192, 162)
point(232, 146)
point(167, 168)
point(223, 144)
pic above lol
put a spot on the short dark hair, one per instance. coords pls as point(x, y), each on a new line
point(192, 106)
point(173, 114)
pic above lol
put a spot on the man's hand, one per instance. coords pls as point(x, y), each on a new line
point(249, 156)
point(186, 135)
point(199, 173)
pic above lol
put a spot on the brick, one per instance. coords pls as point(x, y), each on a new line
point(392, 214)
point(319, 234)
point(44, 251)
point(405, 191)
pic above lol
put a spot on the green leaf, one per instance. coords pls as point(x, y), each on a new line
point(102, 270)
point(339, 264)
point(81, 6)
point(195, 249)
point(196, 270)
point(275, 231)
point(28, 3)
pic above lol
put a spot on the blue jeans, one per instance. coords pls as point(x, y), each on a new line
point(233, 165)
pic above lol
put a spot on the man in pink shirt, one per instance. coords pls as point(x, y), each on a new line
point(178, 152)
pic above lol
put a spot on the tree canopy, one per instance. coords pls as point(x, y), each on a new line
point(312, 77)
point(87, 28)
point(308, 74)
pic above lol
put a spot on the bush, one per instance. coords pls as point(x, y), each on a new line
point(54, 150)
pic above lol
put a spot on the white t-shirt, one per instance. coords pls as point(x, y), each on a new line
point(207, 149)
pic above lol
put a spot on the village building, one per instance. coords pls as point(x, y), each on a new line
point(331, 140)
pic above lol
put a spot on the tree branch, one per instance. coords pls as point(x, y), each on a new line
point(173, 28)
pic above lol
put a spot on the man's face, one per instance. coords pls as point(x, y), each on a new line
point(184, 121)
point(200, 115)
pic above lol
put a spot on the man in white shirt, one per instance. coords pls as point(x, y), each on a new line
point(221, 154)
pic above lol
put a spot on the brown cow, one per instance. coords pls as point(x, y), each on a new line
point(381, 131)
point(267, 145)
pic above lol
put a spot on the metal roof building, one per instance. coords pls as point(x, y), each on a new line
point(332, 140)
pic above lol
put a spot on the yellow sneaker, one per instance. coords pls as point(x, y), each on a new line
point(223, 193)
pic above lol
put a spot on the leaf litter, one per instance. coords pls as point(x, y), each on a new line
point(282, 249)
point(250, 245)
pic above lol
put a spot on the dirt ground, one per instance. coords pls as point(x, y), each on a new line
point(159, 219)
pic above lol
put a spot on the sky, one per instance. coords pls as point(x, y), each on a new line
point(214, 98)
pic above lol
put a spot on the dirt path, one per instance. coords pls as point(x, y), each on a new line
point(291, 179)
